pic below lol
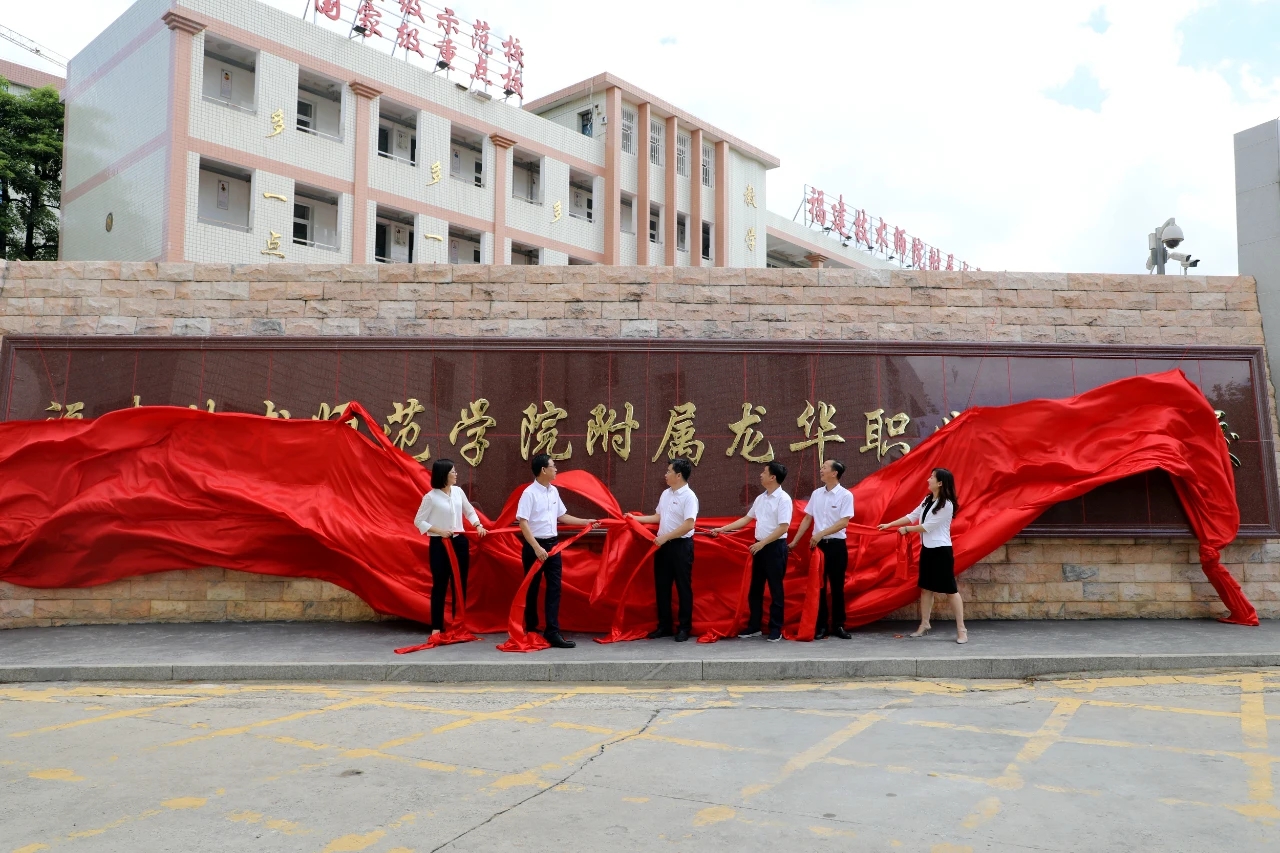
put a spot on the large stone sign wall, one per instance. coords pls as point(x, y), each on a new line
point(1028, 578)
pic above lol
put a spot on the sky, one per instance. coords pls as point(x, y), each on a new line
point(1018, 136)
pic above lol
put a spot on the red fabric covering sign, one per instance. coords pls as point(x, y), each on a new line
point(160, 488)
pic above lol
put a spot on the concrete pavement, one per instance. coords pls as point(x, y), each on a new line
point(365, 652)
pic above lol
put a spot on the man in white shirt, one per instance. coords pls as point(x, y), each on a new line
point(830, 509)
point(539, 513)
point(772, 515)
point(676, 514)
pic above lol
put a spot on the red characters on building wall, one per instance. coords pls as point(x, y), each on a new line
point(412, 7)
point(407, 37)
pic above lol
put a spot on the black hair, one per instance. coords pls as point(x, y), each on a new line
point(683, 467)
point(946, 492)
point(440, 473)
point(542, 460)
point(778, 470)
point(838, 467)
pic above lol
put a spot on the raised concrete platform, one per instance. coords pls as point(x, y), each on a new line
point(315, 651)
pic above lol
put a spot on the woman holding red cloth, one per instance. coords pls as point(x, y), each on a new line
point(440, 517)
point(932, 520)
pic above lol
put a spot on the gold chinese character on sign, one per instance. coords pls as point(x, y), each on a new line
point(474, 423)
point(409, 432)
point(743, 431)
point(273, 246)
point(679, 438)
point(821, 419)
point(947, 420)
point(556, 210)
point(1228, 435)
point(277, 123)
point(435, 173)
point(605, 427)
point(335, 413)
point(209, 406)
point(749, 197)
point(538, 432)
point(751, 239)
point(275, 196)
point(273, 412)
point(71, 411)
point(880, 429)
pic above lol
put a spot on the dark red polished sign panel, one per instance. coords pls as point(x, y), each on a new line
point(619, 409)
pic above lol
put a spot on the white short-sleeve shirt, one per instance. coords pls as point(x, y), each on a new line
point(540, 506)
point(770, 510)
point(444, 512)
point(675, 508)
point(828, 507)
point(937, 525)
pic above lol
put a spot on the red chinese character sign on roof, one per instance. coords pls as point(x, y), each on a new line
point(461, 46)
point(367, 17)
point(331, 9)
point(407, 37)
point(839, 218)
point(817, 207)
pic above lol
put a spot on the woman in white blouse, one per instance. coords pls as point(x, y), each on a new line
point(439, 516)
point(932, 520)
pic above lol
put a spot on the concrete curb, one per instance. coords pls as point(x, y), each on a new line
point(531, 669)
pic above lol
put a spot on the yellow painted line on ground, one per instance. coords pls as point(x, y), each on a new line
point(287, 718)
point(1253, 711)
point(171, 805)
point(1049, 733)
point(103, 718)
point(1162, 709)
point(486, 716)
point(983, 812)
point(818, 751)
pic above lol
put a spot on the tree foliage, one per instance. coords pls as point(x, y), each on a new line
point(30, 173)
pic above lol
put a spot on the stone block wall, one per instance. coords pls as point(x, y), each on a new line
point(1027, 578)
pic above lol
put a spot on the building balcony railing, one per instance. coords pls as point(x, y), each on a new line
point(314, 245)
point(583, 217)
point(313, 132)
point(222, 102)
point(389, 156)
point(526, 200)
point(244, 229)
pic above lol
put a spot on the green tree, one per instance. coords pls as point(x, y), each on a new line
point(30, 173)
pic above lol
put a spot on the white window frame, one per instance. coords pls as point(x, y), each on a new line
point(310, 120)
point(656, 129)
point(628, 131)
point(682, 154)
point(308, 221)
point(708, 164)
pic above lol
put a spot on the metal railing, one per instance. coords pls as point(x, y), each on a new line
point(251, 110)
point(313, 132)
point(245, 229)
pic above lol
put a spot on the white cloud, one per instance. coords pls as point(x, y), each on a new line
point(932, 114)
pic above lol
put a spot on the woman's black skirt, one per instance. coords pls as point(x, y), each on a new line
point(938, 570)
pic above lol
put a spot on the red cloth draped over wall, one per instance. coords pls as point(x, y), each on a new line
point(160, 488)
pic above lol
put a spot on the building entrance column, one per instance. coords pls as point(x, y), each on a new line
point(365, 96)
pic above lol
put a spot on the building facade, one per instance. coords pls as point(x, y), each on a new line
point(229, 131)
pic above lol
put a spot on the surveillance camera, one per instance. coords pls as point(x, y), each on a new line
point(1194, 263)
point(1179, 256)
point(1171, 236)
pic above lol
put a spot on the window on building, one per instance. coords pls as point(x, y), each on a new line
point(526, 176)
point(628, 131)
point(397, 132)
point(584, 122)
point(706, 241)
point(224, 195)
point(319, 105)
point(315, 217)
point(229, 74)
point(682, 232)
point(306, 115)
point(708, 163)
point(301, 223)
point(393, 236)
point(627, 221)
point(466, 155)
point(682, 154)
point(656, 129)
point(581, 195)
point(655, 224)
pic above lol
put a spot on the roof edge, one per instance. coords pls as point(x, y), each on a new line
point(606, 80)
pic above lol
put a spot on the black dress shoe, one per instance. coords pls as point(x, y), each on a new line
point(559, 642)
point(842, 634)
point(820, 634)
point(658, 634)
point(682, 635)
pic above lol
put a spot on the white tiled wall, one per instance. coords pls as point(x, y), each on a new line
point(135, 198)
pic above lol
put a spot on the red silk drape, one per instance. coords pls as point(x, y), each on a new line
point(159, 488)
